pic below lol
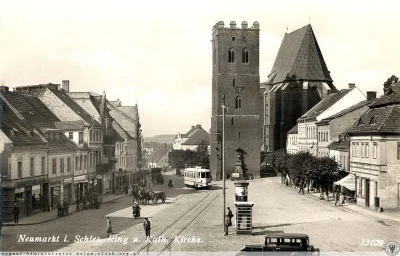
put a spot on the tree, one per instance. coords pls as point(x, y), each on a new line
point(300, 166)
point(324, 171)
point(278, 160)
point(386, 85)
point(202, 156)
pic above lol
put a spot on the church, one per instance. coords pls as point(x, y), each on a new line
point(298, 80)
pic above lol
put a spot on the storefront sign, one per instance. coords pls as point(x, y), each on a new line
point(55, 182)
point(79, 178)
point(29, 182)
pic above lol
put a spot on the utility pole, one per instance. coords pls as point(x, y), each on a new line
point(223, 161)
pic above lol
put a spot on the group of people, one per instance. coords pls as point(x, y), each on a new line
point(146, 226)
point(339, 197)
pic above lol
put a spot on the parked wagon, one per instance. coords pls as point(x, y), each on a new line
point(158, 195)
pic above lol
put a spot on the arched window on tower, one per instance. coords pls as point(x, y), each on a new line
point(238, 103)
point(231, 56)
point(245, 56)
point(233, 83)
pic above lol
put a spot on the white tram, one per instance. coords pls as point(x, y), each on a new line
point(197, 177)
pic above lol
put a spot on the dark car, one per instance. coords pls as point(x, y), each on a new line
point(281, 244)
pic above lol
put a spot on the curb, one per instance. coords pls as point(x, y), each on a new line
point(56, 217)
point(344, 209)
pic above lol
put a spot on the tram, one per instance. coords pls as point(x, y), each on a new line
point(197, 177)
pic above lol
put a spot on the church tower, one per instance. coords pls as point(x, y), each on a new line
point(235, 84)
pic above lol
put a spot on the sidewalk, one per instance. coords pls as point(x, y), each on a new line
point(47, 216)
point(389, 214)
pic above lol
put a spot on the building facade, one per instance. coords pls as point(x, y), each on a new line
point(235, 85)
point(192, 139)
point(375, 154)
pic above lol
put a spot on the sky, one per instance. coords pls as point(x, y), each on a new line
point(157, 54)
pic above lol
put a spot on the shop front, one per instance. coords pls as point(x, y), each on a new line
point(60, 191)
point(25, 193)
point(80, 185)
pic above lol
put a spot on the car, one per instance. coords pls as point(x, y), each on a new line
point(281, 244)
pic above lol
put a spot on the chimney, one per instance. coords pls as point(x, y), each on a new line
point(371, 95)
point(4, 88)
point(352, 85)
point(65, 85)
point(198, 126)
point(193, 126)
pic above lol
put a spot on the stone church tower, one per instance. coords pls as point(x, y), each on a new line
point(298, 80)
point(235, 84)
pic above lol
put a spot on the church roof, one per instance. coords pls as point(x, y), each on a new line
point(299, 58)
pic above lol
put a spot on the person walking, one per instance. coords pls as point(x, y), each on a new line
point(226, 225)
point(341, 198)
point(147, 227)
point(16, 212)
point(230, 216)
point(109, 228)
point(337, 195)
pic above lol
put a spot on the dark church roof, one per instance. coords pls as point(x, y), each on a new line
point(299, 58)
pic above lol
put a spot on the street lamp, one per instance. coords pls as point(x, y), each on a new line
point(223, 161)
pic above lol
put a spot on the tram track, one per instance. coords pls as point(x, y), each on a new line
point(177, 226)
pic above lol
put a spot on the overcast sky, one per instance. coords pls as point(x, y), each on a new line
point(158, 53)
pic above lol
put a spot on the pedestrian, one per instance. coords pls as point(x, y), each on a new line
point(16, 212)
point(109, 228)
point(226, 225)
point(341, 199)
point(147, 227)
point(301, 189)
point(230, 215)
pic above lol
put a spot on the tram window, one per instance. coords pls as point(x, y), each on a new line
point(208, 175)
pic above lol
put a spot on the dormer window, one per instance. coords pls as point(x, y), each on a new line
point(360, 122)
point(372, 121)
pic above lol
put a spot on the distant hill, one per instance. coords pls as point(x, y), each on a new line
point(164, 138)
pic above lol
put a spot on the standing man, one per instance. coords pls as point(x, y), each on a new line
point(147, 227)
point(230, 215)
point(16, 212)
point(226, 224)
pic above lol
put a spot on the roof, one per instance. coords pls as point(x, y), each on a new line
point(343, 145)
point(299, 58)
point(395, 88)
point(197, 137)
point(158, 154)
point(70, 125)
point(125, 122)
point(286, 235)
point(347, 110)
point(61, 143)
point(386, 100)
point(324, 104)
point(34, 111)
point(293, 130)
point(62, 95)
point(120, 131)
point(130, 111)
point(377, 120)
point(18, 131)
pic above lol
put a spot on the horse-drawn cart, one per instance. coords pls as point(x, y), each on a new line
point(158, 195)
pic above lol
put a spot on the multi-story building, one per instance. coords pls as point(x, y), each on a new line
point(159, 158)
point(299, 79)
point(310, 136)
point(235, 85)
point(375, 154)
point(291, 142)
point(192, 139)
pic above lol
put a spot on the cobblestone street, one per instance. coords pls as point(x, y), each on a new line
point(277, 208)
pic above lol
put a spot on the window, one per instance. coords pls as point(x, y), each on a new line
point(233, 82)
point(245, 56)
point(353, 149)
point(91, 135)
point(398, 150)
point(90, 159)
point(239, 135)
point(239, 90)
point(32, 166)
point(238, 103)
point(71, 135)
point(362, 149)
point(85, 161)
point(232, 121)
point(68, 164)
point(80, 137)
point(61, 165)
point(80, 162)
point(233, 38)
point(374, 150)
point(358, 149)
point(231, 56)
point(19, 169)
point(372, 121)
point(362, 187)
point(54, 166)
point(76, 163)
point(366, 149)
point(43, 165)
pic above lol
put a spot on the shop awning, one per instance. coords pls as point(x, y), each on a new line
point(348, 182)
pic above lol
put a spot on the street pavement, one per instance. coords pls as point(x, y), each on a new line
point(198, 215)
